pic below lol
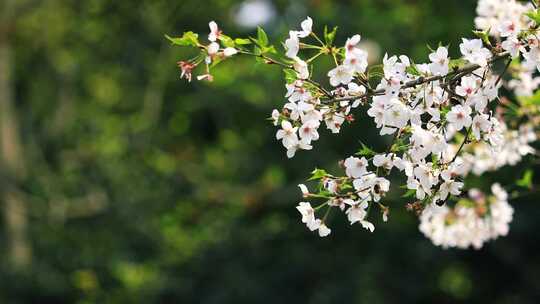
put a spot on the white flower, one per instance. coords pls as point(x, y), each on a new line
point(298, 145)
point(275, 117)
point(377, 110)
point(324, 230)
point(304, 189)
point(363, 184)
point(479, 101)
point(307, 212)
point(287, 134)
point(396, 114)
point(214, 31)
point(353, 89)
point(385, 214)
point(467, 87)
point(404, 165)
point(383, 160)
point(426, 177)
point(308, 131)
point(508, 28)
point(455, 169)
point(351, 43)
point(449, 187)
point(292, 45)
point(213, 48)
point(532, 58)
point(396, 71)
point(330, 185)
point(499, 192)
point(294, 110)
point(311, 114)
point(474, 51)
point(228, 52)
point(357, 60)
point(296, 92)
point(513, 46)
point(357, 212)
point(207, 77)
point(314, 225)
point(334, 122)
point(355, 167)
point(307, 26)
point(439, 61)
point(413, 184)
point(459, 117)
point(308, 216)
point(340, 75)
point(463, 226)
point(301, 67)
point(368, 225)
point(480, 123)
point(380, 186)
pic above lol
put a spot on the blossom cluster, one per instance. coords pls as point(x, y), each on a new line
point(304, 112)
point(445, 115)
point(433, 120)
point(471, 222)
point(352, 194)
point(480, 157)
point(508, 20)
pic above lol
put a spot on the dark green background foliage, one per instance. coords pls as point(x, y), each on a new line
point(121, 183)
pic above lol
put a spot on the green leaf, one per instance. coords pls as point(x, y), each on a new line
point(269, 49)
point(484, 35)
point(290, 75)
point(329, 36)
point(434, 160)
point(365, 151)
point(262, 38)
point(375, 71)
point(317, 174)
point(534, 15)
point(457, 63)
point(226, 40)
point(242, 41)
point(409, 193)
point(187, 39)
point(527, 179)
point(399, 146)
point(413, 70)
point(346, 187)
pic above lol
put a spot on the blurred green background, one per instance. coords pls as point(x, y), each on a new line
point(121, 183)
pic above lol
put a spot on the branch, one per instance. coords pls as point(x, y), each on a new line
point(421, 80)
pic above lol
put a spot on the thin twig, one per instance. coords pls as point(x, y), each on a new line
point(503, 72)
point(462, 145)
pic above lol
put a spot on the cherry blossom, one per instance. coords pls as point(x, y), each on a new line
point(341, 74)
point(214, 31)
point(444, 120)
point(459, 117)
point(474, 51)
point(292, 45)
point(439, 61)
point(356, 167)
